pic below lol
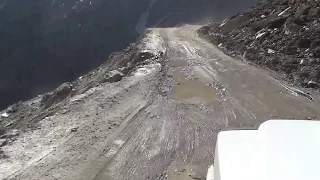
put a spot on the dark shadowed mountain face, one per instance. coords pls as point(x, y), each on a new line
point(47, 42)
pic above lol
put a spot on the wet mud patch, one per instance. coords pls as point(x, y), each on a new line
point(177, 63)
point(192, 91)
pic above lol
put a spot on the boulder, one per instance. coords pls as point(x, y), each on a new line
point(313, 84)
point(316, 53)
point(270, 23)
point(3, 142)
point(304, 43)
point(277, 22)
point(47, 100)
point(302, 20)
point(302, 10)
point(314, 13)
point(234, 23)
point(65, 88)
point(112, 76)
point(290, 26)
point(56, 96)
point(13, 108)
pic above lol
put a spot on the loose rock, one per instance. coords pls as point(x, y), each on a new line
point(3, 142)
point(56, 96)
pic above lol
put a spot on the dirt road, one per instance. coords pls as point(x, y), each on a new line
point(159, 123)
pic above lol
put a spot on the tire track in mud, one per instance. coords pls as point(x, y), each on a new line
point(110, 152)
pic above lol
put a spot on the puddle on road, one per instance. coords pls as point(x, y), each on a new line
point(177, 63)
point(192, 91)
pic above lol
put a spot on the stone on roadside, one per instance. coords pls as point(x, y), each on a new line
point(290, 26)
point(302, 10)
point(313, 84)
point(74, 129)
point(3, 142)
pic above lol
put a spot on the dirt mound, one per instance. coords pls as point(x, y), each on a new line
point(282, 35)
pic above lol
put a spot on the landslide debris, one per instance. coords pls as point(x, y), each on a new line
point(281, 35)
point(24, 116)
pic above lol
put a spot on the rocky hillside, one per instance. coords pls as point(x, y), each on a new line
point(45, 43)
point(24, 115)
point(281, 35)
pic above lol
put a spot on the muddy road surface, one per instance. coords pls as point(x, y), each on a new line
point(161, 122)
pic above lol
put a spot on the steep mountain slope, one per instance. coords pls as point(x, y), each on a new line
point(50, 42)
point(281, 35)
point(45, 43)
point(154, 109)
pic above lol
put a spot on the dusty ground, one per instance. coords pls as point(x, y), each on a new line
point(160, 121)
